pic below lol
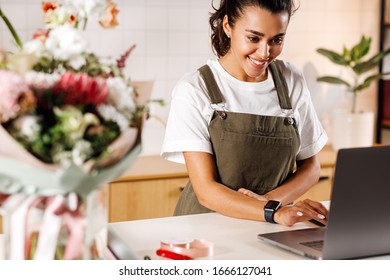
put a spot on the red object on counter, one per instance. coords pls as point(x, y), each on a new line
point(172, 255)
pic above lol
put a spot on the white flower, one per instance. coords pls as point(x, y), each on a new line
point(35, 46)
point(91, 9)
point(67, 44)
point(121, 94)
point(28, 127)
point(58, 17)
point(110, 113)
point(82, 150)
point(106, 63)
point(40, 80)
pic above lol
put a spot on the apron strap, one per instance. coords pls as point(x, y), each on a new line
point(281, 86)
point(212, 88)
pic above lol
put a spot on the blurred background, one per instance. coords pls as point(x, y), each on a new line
point(172, 37)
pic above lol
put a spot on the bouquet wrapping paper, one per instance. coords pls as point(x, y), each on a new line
point(54, 212)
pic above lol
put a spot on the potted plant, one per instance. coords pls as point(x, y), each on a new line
point(354, 128)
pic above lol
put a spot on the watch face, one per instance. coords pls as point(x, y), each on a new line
point(272, 204)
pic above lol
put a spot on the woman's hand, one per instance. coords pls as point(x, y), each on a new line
point(304, 210)
point(252, 194)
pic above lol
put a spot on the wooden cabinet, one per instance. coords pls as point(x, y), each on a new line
point(322, 190)
point(150, 189)
point(152, 186)
point(144, 199)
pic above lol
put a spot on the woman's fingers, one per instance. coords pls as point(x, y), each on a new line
point(314, 209)
point(305, 210)
point(318, 206)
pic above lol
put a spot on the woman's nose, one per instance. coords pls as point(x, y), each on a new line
point(263, 50)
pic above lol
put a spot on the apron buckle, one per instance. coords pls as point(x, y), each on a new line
point(221, 114)
point(290, 120)
point(219, 109)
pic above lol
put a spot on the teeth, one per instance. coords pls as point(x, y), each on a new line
point(256, 61)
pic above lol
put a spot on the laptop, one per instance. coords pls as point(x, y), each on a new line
point(359, 214)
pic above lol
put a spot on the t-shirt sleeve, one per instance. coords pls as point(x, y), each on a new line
point(313, 135)
point(187, 126)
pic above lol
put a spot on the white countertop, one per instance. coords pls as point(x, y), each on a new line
point(232, 238)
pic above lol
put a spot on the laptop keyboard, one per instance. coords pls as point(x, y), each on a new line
point(316, 244)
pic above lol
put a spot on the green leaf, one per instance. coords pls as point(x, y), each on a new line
point(369, 80)
point(360, 49)
point(346, 54)
point(333, 56)
point(12, 30)
point(365, 66)
point(333, 80)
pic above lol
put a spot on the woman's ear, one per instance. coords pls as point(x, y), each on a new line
point(226, 26)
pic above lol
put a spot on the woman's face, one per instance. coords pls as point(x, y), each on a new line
point(256, 40)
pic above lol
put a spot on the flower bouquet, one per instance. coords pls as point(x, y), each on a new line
point(69, 124)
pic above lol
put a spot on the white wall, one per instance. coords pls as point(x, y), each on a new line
point(172, 37)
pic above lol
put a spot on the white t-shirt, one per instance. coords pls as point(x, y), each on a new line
point(191, 111)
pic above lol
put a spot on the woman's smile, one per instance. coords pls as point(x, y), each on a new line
point(256, 40)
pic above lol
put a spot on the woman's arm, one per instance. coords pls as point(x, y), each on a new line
point(306, 175)
point(217, 197)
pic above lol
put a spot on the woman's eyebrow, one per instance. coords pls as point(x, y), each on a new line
point(262, 34)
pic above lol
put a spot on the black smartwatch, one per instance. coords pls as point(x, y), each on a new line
point(269, 210)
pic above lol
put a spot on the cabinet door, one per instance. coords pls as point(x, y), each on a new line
point(144, 199)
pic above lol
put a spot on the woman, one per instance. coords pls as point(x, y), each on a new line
point(243, 121)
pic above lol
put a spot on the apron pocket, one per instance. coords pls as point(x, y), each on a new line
point(257, 138)
point(259, 163)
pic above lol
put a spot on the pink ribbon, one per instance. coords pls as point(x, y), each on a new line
point(75, 223)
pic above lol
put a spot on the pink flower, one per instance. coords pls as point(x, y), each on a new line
point(81, 89)
point(15, 96)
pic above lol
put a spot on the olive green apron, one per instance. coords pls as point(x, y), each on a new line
point(251, 151)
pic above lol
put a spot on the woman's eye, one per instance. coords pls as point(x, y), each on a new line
point(253, 39)
point(276, 41)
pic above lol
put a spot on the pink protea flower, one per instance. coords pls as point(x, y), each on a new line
point(15, 96)
point(81, 89)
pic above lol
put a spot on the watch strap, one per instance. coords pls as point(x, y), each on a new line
point(269, 215)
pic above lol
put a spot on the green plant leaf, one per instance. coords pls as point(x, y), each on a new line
point(333, 80)
point(12, 30)
point(346, 54)
point(365, 66)
point(369, 80)
point(361, 49)
point(333, 56)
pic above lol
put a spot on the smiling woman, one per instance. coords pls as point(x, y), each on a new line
point(253, 49)
point(242, 122)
